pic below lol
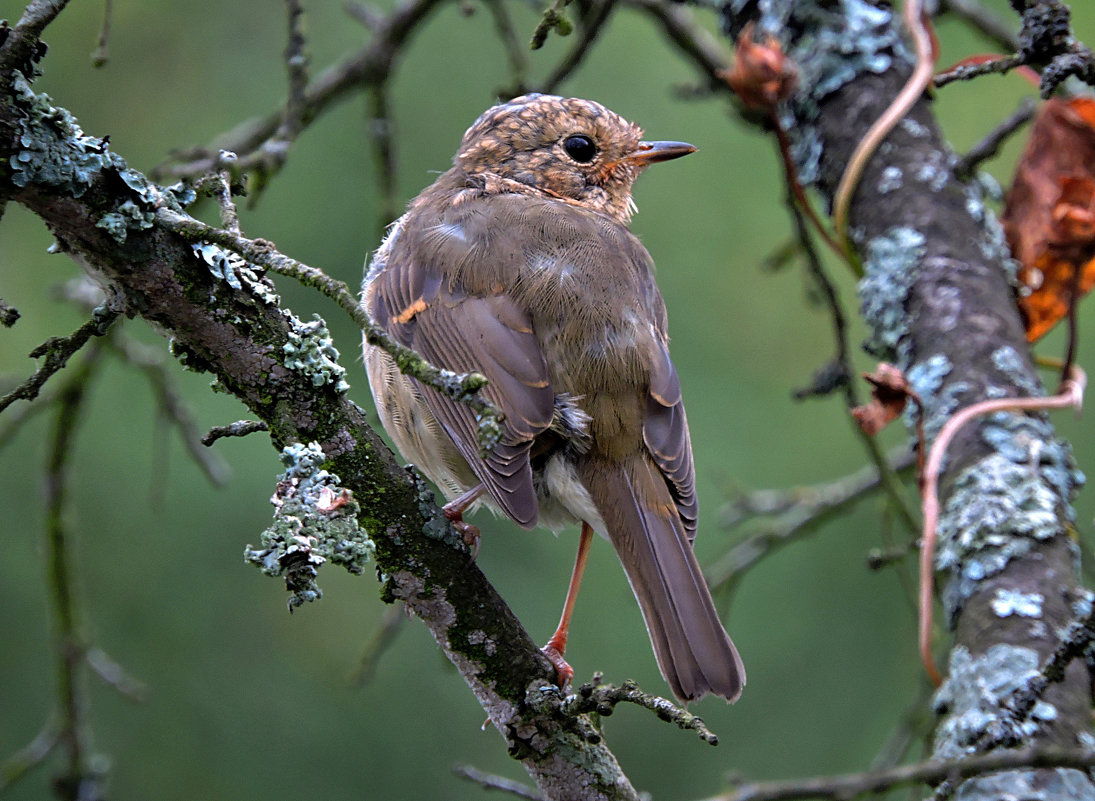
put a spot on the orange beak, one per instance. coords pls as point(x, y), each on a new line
point(653, 152)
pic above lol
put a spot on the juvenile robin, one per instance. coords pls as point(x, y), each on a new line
point(518, 263)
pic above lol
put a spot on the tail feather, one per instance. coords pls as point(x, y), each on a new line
point(694, 652)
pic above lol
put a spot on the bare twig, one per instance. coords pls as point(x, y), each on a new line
point(30, 756)
point(1071, 395)
point(851, 785)
point(603, 698)
point(380, 130)
point(515, 49)
point(988, 147)
point(368, 66)
point(58, 350)
point(799, 512)
point(592, 23)
point(241, 428)
point(997, 65)
point(79, 777)
point(394, 617)
point(150, 361)
point(101, 56)
point(680, 27)
point(115, 675)
point(984, 20)
point(491, 781)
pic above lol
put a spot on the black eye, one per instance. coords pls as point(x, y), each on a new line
point(580, 148)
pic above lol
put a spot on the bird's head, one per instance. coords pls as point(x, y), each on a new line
point(568, 147)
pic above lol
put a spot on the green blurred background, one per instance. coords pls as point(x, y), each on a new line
point(248, 702)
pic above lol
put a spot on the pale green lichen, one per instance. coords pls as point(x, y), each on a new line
point(54, 150)
point(997, 511)
point(975, 698)
point(310, 350)
point(315, 521)
point(890, 271)
point(129, 216)
point(1013, 602)
point(236, 271)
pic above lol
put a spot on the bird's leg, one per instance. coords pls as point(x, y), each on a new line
point(454, 511)
point(557, 645)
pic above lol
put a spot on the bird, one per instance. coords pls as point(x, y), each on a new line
point(518, 263)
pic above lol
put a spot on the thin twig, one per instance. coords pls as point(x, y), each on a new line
point(241, 428)
point(990, 145)
point(115, 675)
point(381, 137)
point(984, 20)
point(967, 72)
point(491, 781)
point(150, 361)
point(851, 785)
point(370, 65)
point(603, 698)
point(1071, 395)
point(515, 49)
point(910, 93)
point(394, 617)
point(102, 51)
point(696, 42)
point(799, 512)
point(68, 641)
point(58, 350)
point(30, 756)
point(592, 23)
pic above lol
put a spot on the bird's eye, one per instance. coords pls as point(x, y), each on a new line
point(580, 148)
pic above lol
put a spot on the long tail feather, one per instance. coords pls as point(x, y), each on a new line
point(694, 652)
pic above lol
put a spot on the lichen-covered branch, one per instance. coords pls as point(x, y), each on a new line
point(938, 299)
point(224, 318)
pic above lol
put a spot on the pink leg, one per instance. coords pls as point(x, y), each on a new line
point(454, 511)
point(557, 645)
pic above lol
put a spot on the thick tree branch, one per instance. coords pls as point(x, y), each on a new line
point(937, 297)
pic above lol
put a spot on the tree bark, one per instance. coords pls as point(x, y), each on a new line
point(938, 292)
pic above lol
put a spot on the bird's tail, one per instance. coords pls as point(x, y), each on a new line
point(694, 652)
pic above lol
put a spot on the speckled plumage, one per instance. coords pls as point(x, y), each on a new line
point(518, 263)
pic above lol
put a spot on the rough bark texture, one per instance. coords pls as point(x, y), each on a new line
point(939, 295)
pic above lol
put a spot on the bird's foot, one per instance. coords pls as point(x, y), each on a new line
point(468, 532)
point(563, 671)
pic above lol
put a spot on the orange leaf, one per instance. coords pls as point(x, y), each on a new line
point(762, 74)
point(889, 392)
point(1049, 219)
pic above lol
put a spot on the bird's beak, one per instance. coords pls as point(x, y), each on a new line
point(653, 152)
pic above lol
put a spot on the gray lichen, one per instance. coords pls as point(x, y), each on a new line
point(315, 521)
point(1013, 602)
point(310, 350)
point(997, 511)
point(237, 272)
point(890, 271)
point(129, 216)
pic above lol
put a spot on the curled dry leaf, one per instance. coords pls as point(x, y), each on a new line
point(1049, 219)
point(762, 74)
point(889, 392)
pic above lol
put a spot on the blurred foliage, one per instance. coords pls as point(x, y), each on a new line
point(248, 702)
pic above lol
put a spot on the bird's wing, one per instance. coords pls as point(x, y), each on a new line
point(665, 432)
point(416, 298)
